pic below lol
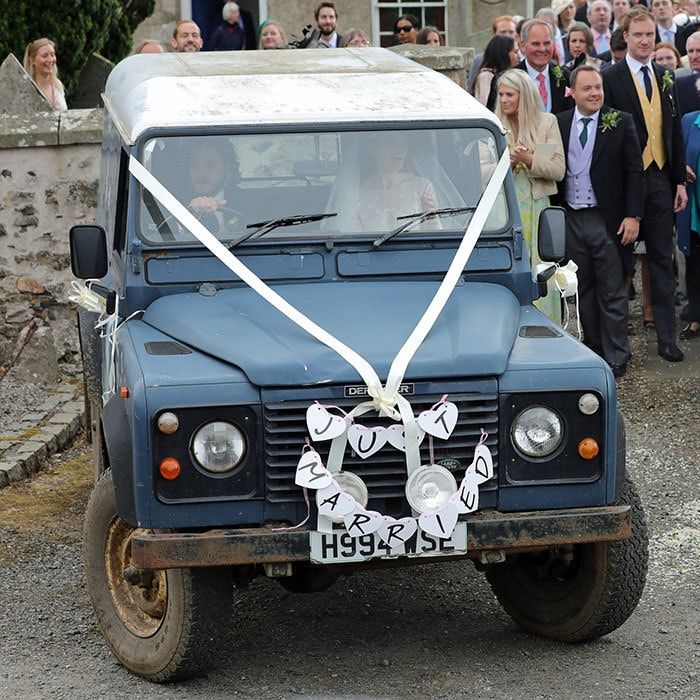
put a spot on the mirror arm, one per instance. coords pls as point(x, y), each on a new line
point(109, 295)
point(542, 279)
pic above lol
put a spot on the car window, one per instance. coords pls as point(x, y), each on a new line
point(368, 179)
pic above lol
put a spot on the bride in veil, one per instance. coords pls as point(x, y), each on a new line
point(378, 183)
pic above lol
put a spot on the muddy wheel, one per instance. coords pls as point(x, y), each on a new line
point(162, 625)
point(581, 592)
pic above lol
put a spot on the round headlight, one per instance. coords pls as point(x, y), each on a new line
point(537, 432)
point(353, 485)
point(429, 488)
point(218, 446)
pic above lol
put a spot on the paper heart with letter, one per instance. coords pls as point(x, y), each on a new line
point(322, 424)
point(482, 464)
point(440, 420)
point(366, 441)
point(362, 522)
point(311, 474)
point(466, 498)
point(440, 523)
point(396, 436)
point(334, 503)
point(397, 532)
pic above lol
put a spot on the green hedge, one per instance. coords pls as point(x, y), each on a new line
point(78, 27)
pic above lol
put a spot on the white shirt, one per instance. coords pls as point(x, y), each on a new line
point(533, 73)
point(636, 69)
point(667, 35)
point(332, 41)
point(591, 125)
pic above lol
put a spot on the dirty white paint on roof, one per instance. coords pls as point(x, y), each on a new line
point(283, 86)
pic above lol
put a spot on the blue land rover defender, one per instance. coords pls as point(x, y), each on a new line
point(344, 181)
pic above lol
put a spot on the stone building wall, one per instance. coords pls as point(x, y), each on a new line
point(49, 171)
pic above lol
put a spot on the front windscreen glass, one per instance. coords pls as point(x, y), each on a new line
point(368, 181)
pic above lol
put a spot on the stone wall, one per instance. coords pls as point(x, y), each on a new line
point(49, 171)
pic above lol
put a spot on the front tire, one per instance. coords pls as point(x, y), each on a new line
point(579, 593)
point(163, 625)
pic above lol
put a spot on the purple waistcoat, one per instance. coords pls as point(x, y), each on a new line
point(579, 190)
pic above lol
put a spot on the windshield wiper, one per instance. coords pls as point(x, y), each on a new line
point(418, 218)
point(263, 227)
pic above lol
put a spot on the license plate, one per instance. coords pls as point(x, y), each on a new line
point(339, 548)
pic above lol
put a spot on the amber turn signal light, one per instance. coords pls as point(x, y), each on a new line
point(588, 448)
point(170, 468)
point(124, 392)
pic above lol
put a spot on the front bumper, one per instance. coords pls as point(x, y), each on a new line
point(486, 530)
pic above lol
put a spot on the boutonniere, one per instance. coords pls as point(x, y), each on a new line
point(610, 120)
point(667, 81)
point(559, 76)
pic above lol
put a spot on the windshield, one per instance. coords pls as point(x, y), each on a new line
point(369, 180)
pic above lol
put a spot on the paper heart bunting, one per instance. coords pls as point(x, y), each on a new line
point(482, 463)
point(396, 532)
point(311, 473)
point(440, 523)
point(440, 420)
point(334, 503)
point(396, 436)
point(362, 522)
point(466, 498)
point(323, 425)
point(366, 441)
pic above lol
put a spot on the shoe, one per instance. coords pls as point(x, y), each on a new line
point(649, 324)
point(671, 352)
point(687, 333)
point(619, 370)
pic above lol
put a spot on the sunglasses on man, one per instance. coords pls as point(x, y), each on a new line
point(404, 29)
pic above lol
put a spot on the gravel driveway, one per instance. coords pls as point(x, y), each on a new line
point(420, 632)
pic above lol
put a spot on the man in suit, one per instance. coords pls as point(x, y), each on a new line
point(619, 7)
point(648, 92)
point(599, 18)
point(689, 86)
point(603, 193)
point(326, 21)
point(186, 37)
point(666, 29)
point(550, 79)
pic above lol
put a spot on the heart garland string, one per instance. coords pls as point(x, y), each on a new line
point(336, 506)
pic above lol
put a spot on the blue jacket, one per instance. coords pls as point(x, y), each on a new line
point(691, 136)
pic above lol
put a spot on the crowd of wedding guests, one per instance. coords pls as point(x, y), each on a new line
point(601, 104)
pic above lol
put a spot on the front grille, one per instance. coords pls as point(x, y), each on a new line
point(384, 473)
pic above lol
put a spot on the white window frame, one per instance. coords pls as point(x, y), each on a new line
point(411, 7)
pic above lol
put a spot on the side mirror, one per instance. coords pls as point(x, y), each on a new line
point(88, 252)
point(551, 235)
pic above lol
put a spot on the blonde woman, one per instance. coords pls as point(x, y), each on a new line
point(40, 63)
point(537, 160)
point(272, 35)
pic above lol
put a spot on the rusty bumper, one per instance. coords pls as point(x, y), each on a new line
point(486, 530)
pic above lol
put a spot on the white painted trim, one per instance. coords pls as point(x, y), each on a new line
point(262, 10)
point(185, 9)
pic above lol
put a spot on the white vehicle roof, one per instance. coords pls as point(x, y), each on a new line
point(280, 87)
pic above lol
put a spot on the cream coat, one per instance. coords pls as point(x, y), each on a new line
point(547, 167)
